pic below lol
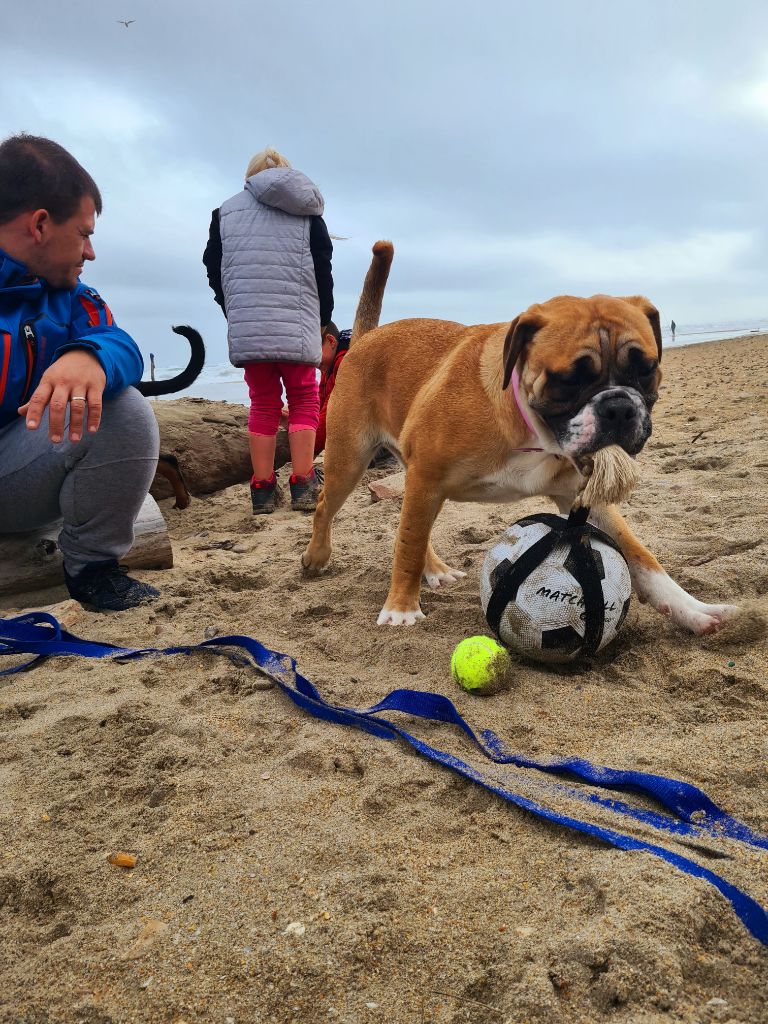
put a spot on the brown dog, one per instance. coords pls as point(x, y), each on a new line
point(494, 413)
point(168, 467)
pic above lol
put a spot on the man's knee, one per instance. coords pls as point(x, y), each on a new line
point(130, 417)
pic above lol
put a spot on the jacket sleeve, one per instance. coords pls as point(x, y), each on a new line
point(92, 328)
point(322, 250)
point(212, 260)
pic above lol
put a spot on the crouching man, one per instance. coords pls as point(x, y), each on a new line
point(76, 440)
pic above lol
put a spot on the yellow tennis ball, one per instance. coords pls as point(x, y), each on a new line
point(480, 664)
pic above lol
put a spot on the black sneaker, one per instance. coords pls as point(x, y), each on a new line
point(265, 496)
point(305, 490)
point(107, 587)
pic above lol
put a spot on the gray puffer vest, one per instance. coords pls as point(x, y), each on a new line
point(267, 272)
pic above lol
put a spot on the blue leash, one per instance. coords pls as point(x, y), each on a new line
point(692, 814)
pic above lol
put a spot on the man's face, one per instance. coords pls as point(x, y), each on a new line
point(330, 344)
point(62, 249)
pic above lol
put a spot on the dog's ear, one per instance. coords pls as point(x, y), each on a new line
point(648, 309)
point(520, 332)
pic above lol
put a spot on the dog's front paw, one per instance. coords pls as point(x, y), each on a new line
point(668, 598)
point(395, 617)
point(703, 619)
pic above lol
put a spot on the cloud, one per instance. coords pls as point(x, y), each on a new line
point(519, 152)
point(618, 264)
point(751, 97)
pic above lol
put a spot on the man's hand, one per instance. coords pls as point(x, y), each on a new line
point(75, 376)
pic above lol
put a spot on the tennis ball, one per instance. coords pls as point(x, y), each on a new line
point(480, 664)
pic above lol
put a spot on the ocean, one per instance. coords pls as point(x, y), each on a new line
point(224, 382)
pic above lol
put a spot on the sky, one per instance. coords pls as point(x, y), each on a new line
point(511, 150)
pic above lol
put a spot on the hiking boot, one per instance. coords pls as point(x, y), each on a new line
point(305, 490)
point(107, 587)
point(265, 496)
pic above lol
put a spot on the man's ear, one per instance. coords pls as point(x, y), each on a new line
point(520, 332)
point(38, 223)
point(648, 309)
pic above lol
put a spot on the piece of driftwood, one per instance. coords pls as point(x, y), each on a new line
point(67, 612)
point(209, 441)
point(32, 561)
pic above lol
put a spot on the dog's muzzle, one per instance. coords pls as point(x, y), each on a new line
point(617, 415)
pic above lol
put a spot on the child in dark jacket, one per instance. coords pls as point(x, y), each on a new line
point(335, 347)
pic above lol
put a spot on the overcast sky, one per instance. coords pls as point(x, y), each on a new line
point(511, 150)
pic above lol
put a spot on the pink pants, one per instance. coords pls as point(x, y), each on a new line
point(265, 382)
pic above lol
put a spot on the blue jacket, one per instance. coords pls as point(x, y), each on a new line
point(39, 323)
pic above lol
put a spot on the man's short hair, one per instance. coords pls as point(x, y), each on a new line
point(39, 174)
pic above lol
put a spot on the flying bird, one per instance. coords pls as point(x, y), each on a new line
point(126, 23)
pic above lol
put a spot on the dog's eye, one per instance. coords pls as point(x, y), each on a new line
point(559, 380)
point(579, 376)
point(641, 365)
point(647, 368)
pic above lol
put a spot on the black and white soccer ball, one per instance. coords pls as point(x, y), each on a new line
point(544, 616)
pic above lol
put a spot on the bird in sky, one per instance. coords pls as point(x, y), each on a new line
point(126, 23)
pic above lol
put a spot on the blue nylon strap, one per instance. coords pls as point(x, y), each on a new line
point(685, 801)
point(694, 814)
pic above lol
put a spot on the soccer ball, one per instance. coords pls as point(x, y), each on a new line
point(538, 606)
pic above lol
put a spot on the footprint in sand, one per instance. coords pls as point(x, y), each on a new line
point(23, 710)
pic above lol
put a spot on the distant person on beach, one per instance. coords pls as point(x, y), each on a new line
point(76, 440)
point(673, 326)
point(268, 260)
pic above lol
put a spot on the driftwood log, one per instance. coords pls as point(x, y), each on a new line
point(210, 442)
point(32, 561)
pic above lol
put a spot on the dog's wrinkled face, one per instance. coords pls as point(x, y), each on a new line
point(589, 369)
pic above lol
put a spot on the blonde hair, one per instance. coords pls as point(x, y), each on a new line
point(267, 157)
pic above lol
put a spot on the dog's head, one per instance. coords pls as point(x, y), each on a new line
point(589, 368)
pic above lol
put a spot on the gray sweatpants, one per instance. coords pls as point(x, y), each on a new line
point(97, 485)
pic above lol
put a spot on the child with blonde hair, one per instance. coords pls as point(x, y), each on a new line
point(268, 260)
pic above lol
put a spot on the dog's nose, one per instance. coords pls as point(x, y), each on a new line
point(618, 409)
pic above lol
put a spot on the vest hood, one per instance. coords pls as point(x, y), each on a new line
point(288, 190)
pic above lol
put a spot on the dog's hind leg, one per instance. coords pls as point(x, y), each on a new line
point(344, 465)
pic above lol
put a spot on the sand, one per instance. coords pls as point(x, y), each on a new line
point(293, 870)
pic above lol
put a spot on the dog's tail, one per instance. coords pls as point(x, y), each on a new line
point(189, 375)
point(369, 305)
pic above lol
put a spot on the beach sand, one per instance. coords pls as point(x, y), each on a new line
point(413, 895)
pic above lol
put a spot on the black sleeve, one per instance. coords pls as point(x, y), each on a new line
point(212, 260)
point(322, 250)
